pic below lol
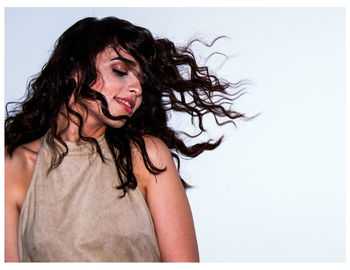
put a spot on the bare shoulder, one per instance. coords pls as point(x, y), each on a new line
point(18, 172)
point(157, 151)
point(168, 204)
point(22, 158)
point(158, 154)
point(19, 169)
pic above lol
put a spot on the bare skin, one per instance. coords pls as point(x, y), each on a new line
point(164, 193)
point(18, 172)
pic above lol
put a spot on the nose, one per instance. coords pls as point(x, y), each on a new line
point(135, 86)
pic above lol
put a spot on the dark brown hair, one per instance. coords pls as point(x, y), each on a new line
point(165, 86)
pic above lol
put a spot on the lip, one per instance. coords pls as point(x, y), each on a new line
point(121, 101)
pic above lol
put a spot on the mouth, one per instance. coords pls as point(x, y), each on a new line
point(127, 104)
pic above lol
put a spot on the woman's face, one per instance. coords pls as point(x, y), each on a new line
point(118, 84)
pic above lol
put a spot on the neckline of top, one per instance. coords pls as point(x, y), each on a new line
point(84, 147)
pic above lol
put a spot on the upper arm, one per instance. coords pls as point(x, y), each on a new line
point(11, 210)
point(18, 169)
point(169, 207)
point(11, 223)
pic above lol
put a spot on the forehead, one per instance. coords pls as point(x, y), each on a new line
point(111, 54)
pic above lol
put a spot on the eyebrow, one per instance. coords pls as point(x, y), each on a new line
point(128, 61)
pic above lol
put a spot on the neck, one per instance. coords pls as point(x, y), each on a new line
point(69, 126)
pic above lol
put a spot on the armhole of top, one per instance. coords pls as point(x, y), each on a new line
point(31, 184)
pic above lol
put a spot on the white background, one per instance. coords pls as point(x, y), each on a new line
point(275, 189)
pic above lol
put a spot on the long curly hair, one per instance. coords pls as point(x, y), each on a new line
point(171, 80)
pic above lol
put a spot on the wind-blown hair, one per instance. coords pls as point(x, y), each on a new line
point(71, 69)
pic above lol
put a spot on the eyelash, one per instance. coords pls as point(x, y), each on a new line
point(120, 73)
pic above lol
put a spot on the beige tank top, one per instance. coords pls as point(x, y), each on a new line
point(75, 214)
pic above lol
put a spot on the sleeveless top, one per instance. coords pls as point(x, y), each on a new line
point(75, 213)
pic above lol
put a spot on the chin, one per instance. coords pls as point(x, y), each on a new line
point(116, 124)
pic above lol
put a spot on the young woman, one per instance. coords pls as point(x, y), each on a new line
point(89, 170)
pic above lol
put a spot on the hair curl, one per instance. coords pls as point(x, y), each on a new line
point(164, 84)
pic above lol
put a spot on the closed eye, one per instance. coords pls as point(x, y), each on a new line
point(120, 73)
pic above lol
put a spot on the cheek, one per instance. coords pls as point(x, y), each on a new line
point(98, 85)
point(138, 103)
point(102, 85)
point(107, 93)
point(94, 106)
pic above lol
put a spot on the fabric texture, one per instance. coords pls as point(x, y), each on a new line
point(75, 213)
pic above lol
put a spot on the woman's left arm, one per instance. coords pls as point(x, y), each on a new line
point(168, 204)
